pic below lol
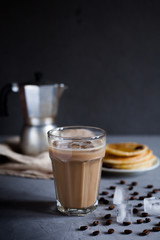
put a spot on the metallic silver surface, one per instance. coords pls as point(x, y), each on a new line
point(39, 107)
point(34, 139)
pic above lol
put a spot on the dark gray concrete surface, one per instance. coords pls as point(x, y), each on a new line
point(28, 210)
point(107, 52)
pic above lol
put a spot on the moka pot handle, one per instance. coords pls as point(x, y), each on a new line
point(4, 92)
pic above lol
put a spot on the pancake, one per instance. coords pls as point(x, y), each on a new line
point(126, 149)
point(142, 163)
point(129, 155)
point(109, 158)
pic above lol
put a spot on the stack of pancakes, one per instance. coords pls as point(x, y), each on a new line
point(128, 156)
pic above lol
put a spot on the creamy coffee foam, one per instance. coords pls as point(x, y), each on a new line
point(80, 155)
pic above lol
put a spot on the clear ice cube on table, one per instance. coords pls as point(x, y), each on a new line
point(120, 195)
point(152, 206)
point(124, 213)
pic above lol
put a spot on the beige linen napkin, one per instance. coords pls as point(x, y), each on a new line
point(14, 163)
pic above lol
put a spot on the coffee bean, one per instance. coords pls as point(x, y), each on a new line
point(111, 207)
point(149, 186)
point(155, 190)
point(139, 205)
point(102, 200)
point(135, 210)
point(95, 233)
point(127, 231)
point(83, 228)
point(135, 193)
point(133, 198)
point(111, 230)
point(112, 187)
point(149, 194)
point(144, 214)
point(126, 223)
point(147, 220)
point(130, 188)
point(108, 222)
point(105, 201)
point(104, 193)
point(122, 182)
point(146, 232)
point(134, 183)
point(107, 216)
point(95, 223)
point(141, 197)
point(156, 229)
point(139, 221)
point(158, 224)
point(112, 196)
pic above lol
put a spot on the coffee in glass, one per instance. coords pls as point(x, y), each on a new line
point(77, 154)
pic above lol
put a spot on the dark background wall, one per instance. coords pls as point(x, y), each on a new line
point(107, 52)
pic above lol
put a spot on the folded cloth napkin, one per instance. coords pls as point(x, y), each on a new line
point(14, 163)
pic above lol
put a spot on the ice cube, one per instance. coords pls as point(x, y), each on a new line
point(124, 213)
point(120, 195)
point(74, 145)
point(60, 144)
point(87, 144)
point(152, 205)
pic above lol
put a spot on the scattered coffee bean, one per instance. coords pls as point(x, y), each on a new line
point(158, 224)
point(135, 210)
point(83, 228)
point(139, 205)
point(107, 216)
point(156, 229)
point(149, 194)
point(122, 182)
point(155, 190)
point(102, 200)
point(139, 221)
point(95, 223)
point(104, 193)
point(95, 233)
point(144, 214)
point(133, 198)
point(140, 147)
point(111, 196)
point(111, 230)
point(135, 193)
point(141, 197)
point(145, 232)
point(126, 223)
point(111, 207)
point(147, 220)
point(108, 222)
point(127, 231)
point(112, 187)
point(130, 188)
point(134, 183)
point(149, 186)
point(105, 201)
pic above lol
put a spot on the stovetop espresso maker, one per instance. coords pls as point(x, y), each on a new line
point(39, 103)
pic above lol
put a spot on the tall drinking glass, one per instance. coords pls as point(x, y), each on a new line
point(77, 153)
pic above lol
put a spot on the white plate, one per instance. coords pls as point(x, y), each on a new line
point(114, 170)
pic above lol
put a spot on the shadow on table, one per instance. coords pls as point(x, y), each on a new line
point(22, 208)
point(112, 175)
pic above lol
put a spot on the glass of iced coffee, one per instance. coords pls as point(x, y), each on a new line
point(77, 153)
